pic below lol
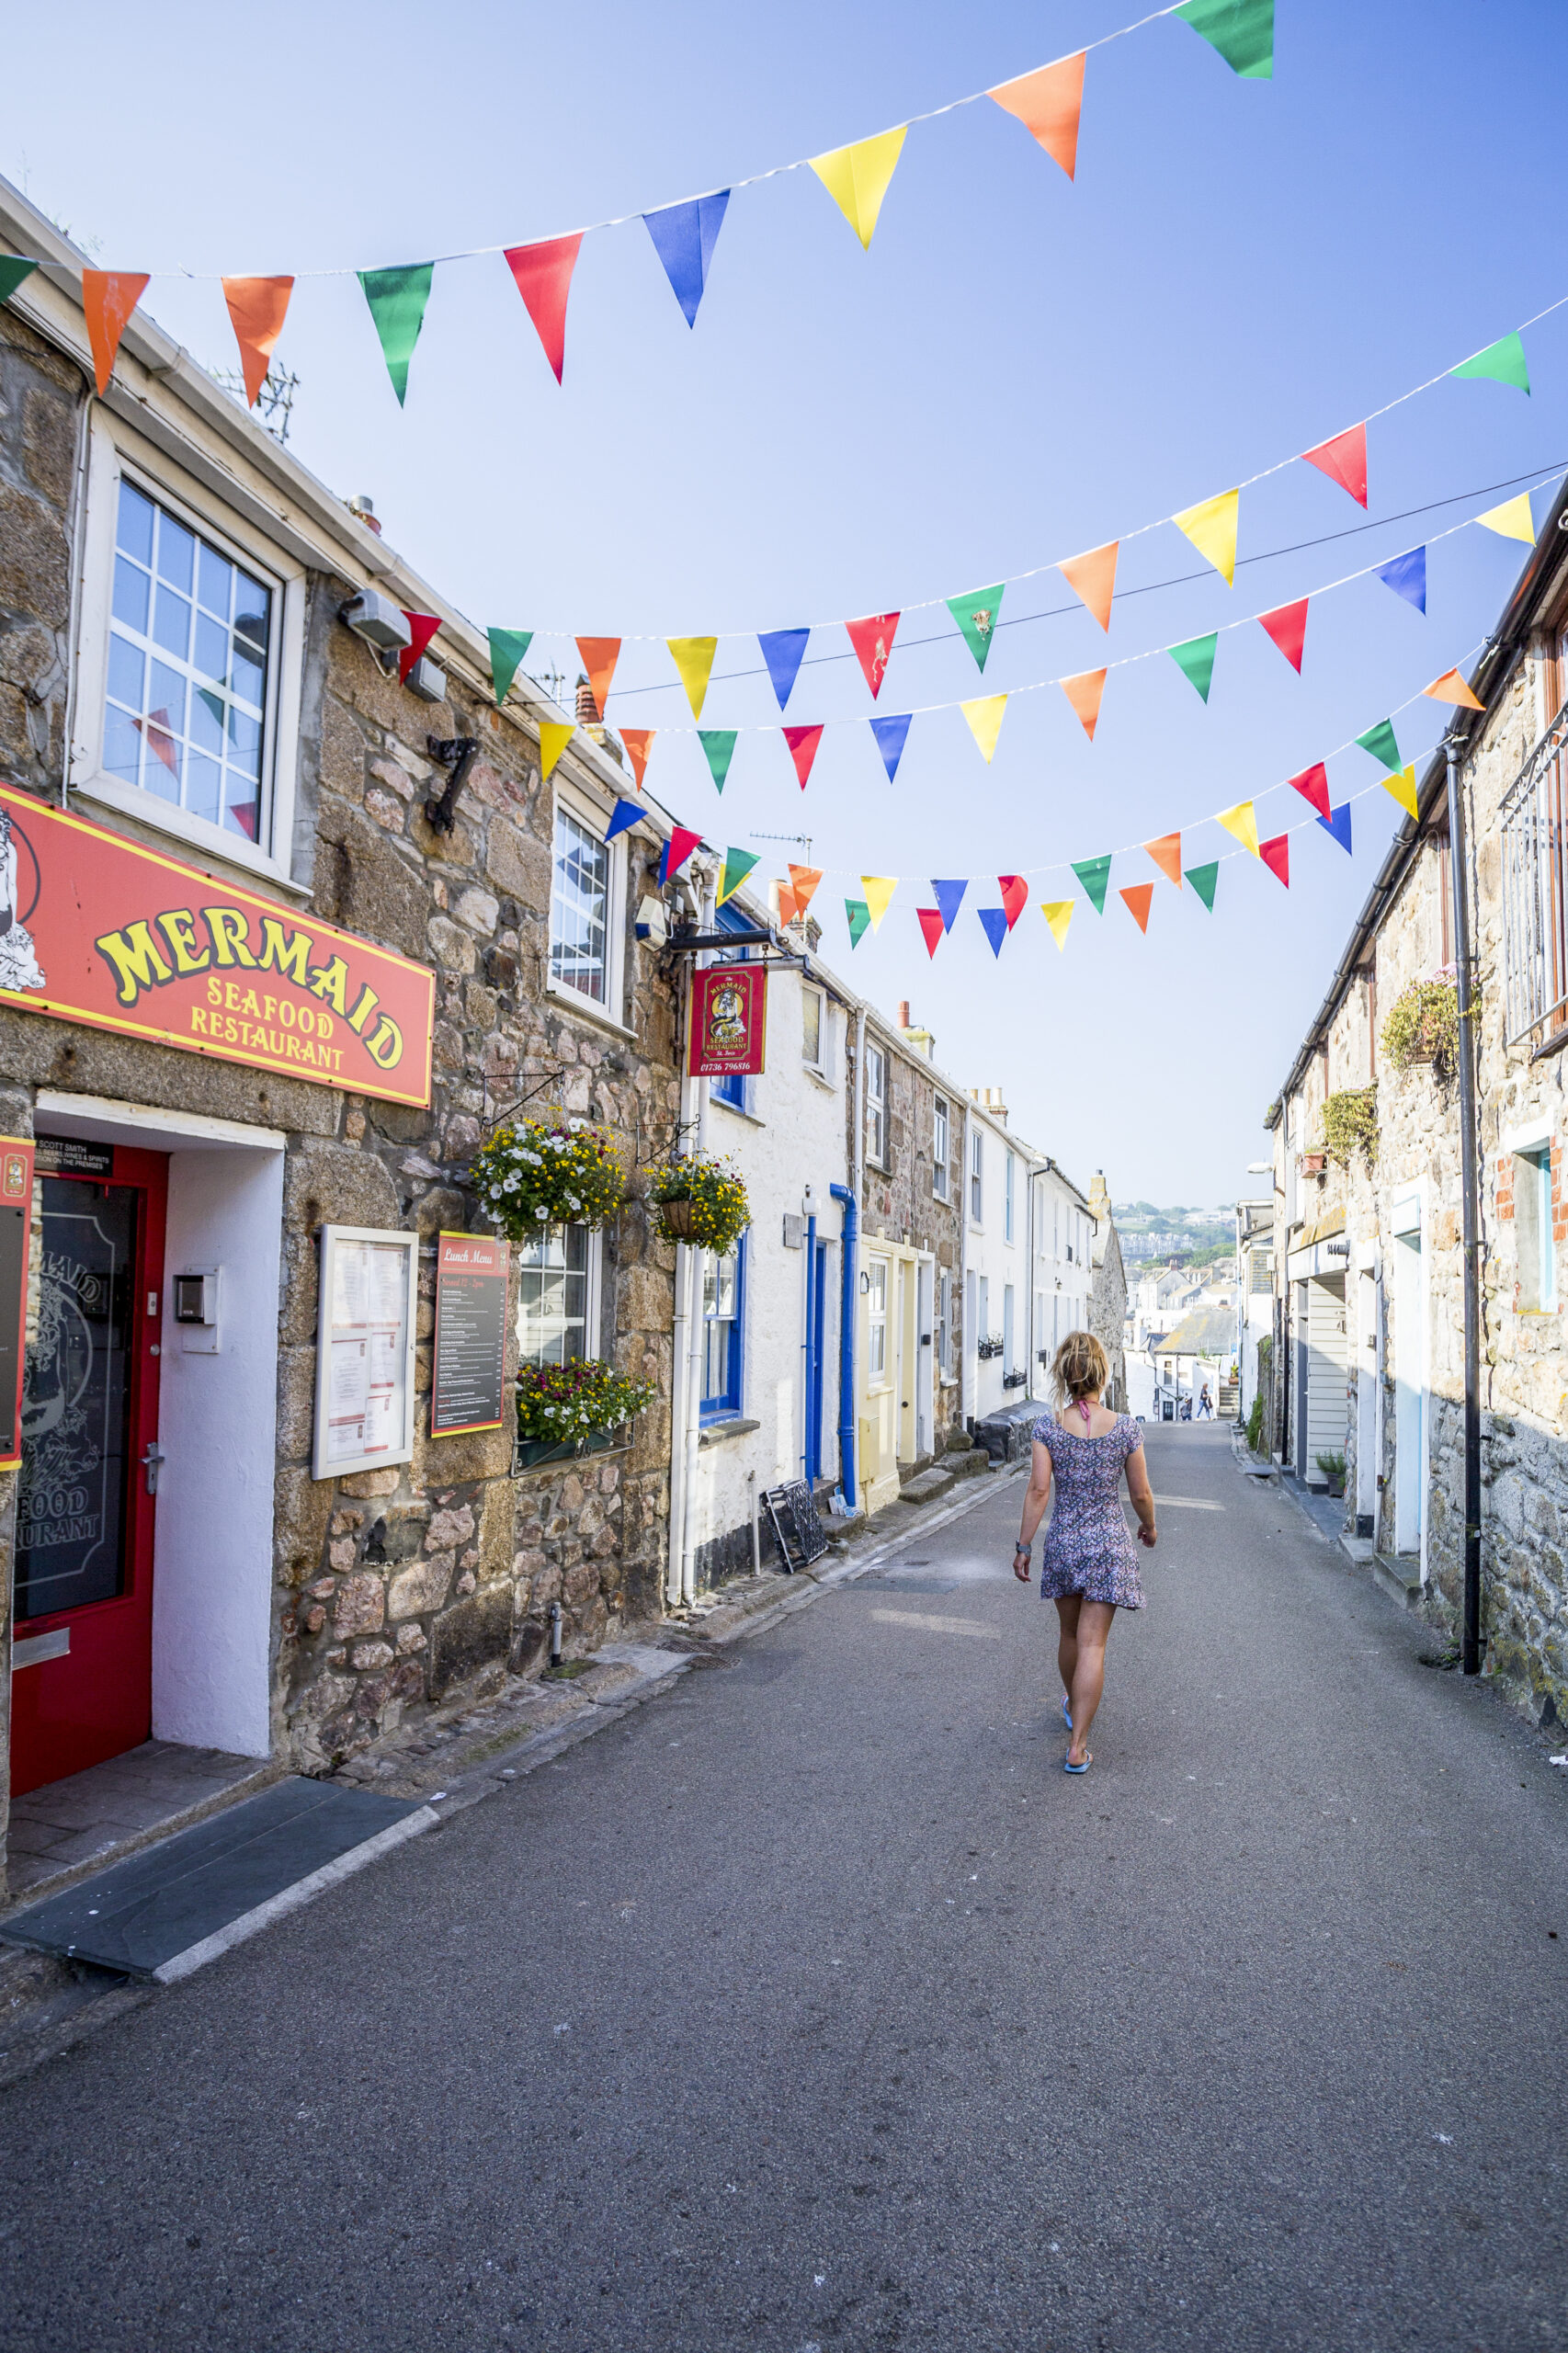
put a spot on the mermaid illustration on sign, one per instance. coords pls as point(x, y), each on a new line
point(727, 1019)
point(19, 964)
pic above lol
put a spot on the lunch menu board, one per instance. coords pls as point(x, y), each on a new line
point(365, 1350)
point(471, 1333)
point(15, 1239)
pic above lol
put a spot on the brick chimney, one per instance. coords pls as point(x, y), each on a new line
point(1099, 1198)
point(903, 1013)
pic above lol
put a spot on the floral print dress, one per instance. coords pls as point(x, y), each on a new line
point(1087, 1548)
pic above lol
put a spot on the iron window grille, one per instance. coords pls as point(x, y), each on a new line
point(1535, 886)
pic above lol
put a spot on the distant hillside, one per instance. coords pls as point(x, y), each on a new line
point(1150, 1232)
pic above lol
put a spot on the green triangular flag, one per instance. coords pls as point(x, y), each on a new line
point(1242, 31)
point(1196, 658)
point(1382, 743)
point(719, 742)
point(1503, 361)
point(397, 299)
point(976, 616)
point(507, 647)
point(13, 267)
point(860, 915)
point(738, 864)
point(1203, 879)
point(1094, 876)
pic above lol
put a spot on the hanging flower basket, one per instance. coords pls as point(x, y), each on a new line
point(700, 1199)
point(1423, 1028)
point(549, 1172)
point(565, 1405)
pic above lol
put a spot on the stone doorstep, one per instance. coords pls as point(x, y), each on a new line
point(926, 1487)
point(53, 1883)
point(1398, 1574)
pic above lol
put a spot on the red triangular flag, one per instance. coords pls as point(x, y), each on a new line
point(423, 627)
point(1313, 785)
point(1015, 897)
point(109, 297)
point(933, 927)
point(257, 307)
point(543, 273)
point(1275, 856)
point(1166, 855)
point(1286, 625)
point(1344, 460)
point(872, 640)
point(803, 743)
point(1139, 896)
point(677, 850)
point(1083, 693)
point(599, 656)
point(639, 742)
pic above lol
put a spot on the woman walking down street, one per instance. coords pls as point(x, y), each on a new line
point(1087, 1565)
point(1205, 1406)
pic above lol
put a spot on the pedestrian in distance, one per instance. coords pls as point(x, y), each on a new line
point(1205, 1406)
point(1087, 1565)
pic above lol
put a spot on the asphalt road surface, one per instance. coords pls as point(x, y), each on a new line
point(813, 2006)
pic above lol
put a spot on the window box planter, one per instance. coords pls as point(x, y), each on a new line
point(533, 1451)
point(1015, 1380)
point(1312, 1163)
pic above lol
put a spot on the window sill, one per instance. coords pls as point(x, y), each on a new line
point(819, 1077)
point(727, 1426)
point(736, 1112)
point(572, 1001)
point(192, 836)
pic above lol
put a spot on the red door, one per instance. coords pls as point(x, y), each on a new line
point(82, 1634)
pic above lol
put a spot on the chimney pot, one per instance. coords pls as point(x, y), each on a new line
point(903, 1013)
point(588, 714)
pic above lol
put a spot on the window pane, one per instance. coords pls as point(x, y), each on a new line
point(552, 1292)
point(131, 591)
point(171, 622)
point(215, 581)
point(211, 648)
point(135, 530)
point(203, 787)
point(126, 670)
point(176, 552)
point(122, 748)
point(811, 1013)
point(579, 908)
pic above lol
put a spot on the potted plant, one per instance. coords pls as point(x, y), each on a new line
point(575, 1408)
point(702, 1200)
point(1423, 1027)
point(1311, 1164)
point(1332, 1468)
point(555, 1171)
point(1350, 1125)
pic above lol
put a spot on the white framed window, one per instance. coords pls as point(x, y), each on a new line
point(587, 889)
point(877, 1319)
point(190, 656)
point(1007, 1324)
point(976, 1176)
point(1533, 1224)
point(558, 1296)
point(813, 1029)
point(1007, 1198)
point(940, 1147)
point(876, 1107)
point(944, 1323)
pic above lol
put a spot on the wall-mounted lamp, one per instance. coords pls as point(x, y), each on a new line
point(378, 620)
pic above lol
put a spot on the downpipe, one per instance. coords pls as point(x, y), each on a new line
point(848, 1254)
point(695, 1259)
point(1469, 1643)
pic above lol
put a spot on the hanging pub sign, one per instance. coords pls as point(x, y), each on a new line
point(471, 1334)
point(96, 928)
point(15, 1242)
point(728, 1021)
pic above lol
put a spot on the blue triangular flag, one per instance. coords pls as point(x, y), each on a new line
point(1337, 823)
point(624, 813)
point(995, 922)
point(949, 897)
point(684, 237)
point(783, 650)
point(889, 734)
point(1406, 575)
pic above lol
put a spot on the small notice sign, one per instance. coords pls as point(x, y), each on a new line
point(365, 1350)
point(16, 1238)
point(471, 1334)
point(728, 1021)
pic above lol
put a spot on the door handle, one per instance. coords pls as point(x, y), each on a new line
point(153, 1463)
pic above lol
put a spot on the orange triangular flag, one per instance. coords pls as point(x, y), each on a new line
point(803, 881)
point(639, 742)
point(1047, 103)
point(1093, 578)
point(257, 307)
point(1083, 693)
point(788, 909)
point(109, 297)
point(1451, 688)
point(1166, 855)
point(600, 655)
point(1139, 897)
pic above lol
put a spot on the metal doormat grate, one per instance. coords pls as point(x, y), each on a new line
point(166, 1909)
point(799, 1534)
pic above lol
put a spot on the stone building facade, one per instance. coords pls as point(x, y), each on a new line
point(1368, 1283)
point(1107, 1290)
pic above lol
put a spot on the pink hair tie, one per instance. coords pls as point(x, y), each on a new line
point(1083, 1405)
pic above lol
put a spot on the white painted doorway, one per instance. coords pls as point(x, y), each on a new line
point(1409, 1393)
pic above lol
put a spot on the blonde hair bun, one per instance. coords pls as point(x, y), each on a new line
point(1080, 1368)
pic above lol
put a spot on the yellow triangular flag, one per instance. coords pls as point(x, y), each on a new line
point(554, 734)
point(1402, 788)
point(1512, 520)
point(985, 717)
point(856, 178)
point(1212, 528)
point(694, 660)
point(1058, 913)
point(878, 890)
point(1241, 821)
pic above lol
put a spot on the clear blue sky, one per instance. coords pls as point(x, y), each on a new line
point(1020, 369)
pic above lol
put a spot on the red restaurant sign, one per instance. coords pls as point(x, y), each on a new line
point(96, 928)
point(728, 1021)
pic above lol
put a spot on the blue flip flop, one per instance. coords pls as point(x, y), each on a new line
point(1068, 1765)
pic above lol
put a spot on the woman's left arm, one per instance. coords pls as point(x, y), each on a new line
point(1035, 1496)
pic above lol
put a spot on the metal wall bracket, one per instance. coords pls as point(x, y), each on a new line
point(455, 754)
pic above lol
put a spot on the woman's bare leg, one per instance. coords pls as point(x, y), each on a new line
point(1088, 1671)
point(1067, 1639)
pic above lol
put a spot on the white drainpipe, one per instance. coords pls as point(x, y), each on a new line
point(708, 909)
point(963, 1274)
